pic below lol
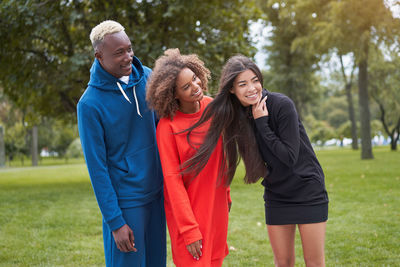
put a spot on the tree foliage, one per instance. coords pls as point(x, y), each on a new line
point(356, 27)
point(46, 53)
point(346, 26)
point(385, 90)
point(54, 135)
point(319, 131)
point(292, 68)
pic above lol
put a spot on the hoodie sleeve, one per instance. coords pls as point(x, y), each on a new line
point(92, 138)
point(285, 143)
point(175, 190)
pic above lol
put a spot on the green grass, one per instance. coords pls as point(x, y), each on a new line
point(49, 216)
point(43, 161)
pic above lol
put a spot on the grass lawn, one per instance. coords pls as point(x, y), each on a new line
point(49, 216)
point(43, 161)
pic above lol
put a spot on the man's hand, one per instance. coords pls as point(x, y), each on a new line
point(260, 109)
point(124, 239)
point(195, 249)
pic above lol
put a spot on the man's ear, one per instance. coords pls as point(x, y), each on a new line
point(98, 55)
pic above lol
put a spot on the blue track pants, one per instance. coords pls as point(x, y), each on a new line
point(148, 225)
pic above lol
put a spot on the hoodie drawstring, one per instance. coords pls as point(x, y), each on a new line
point(136, 101)
point(127, 99)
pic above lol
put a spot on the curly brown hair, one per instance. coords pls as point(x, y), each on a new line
point(162, 82)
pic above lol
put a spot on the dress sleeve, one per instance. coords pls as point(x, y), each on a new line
point(91, 133)
point(174, 186)
point(284, 143)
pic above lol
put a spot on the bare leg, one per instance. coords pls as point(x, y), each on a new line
point(282, 242)
point(313, 241)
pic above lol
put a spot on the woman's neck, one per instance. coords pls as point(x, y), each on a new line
point(189, 108)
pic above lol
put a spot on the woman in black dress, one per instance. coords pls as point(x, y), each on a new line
point(264, 128)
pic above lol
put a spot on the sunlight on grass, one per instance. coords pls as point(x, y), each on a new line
point(49, 215)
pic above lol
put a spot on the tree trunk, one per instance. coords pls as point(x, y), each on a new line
point(354, 143)
point(393, 144)
point(34, 146)
point(365, 133)
point(394, 140)
point(2, 148)
point(348, 85)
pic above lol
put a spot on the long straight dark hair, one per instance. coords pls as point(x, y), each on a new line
point(231, 120)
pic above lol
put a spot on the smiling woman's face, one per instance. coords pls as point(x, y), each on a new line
point(115, 54)
point(188, 87)
point(247, 88)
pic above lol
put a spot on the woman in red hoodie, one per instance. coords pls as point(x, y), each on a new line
point(196, 204)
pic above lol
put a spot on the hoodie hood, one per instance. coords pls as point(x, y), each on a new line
point(101, 79)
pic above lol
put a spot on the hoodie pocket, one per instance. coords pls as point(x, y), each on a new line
point(143, 173)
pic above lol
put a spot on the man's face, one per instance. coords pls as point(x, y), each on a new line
point(115, 54)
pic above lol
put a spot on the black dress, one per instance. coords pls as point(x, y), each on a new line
point(294, 187)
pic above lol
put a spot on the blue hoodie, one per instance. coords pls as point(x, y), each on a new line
point(117, 132)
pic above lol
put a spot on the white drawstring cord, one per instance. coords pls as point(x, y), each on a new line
point(123, 93)
point(137, 103)
point(127, 99)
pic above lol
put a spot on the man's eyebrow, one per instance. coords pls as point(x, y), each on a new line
point(118, 49)
point(121, 48)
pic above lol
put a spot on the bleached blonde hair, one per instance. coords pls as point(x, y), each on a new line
point(106, 27)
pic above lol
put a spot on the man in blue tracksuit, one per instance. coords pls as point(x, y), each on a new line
point(117, 132)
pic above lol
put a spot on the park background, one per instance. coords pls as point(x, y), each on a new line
point(338, 60)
